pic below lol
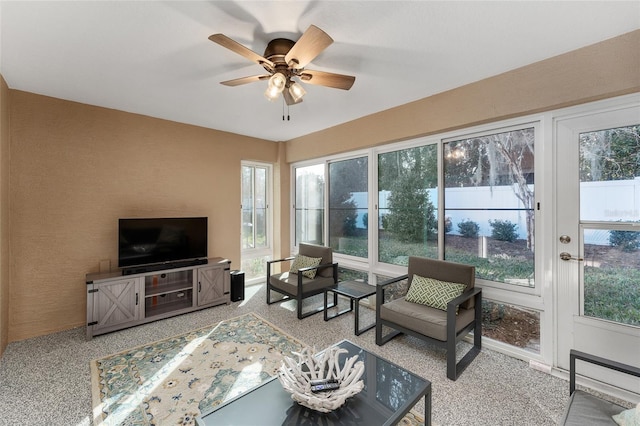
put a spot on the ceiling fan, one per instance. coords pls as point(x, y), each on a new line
point(285, 61)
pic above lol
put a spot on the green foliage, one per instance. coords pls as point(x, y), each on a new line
point(468, 228)
point(448, 225)
point(422, 160)
point(354, 246)
point(612, 294)
point(395, 252)
point(345, 178)
point(612, 154)
point(411, 217)
point(628, 241)
point(365, 220)
point(503, 230)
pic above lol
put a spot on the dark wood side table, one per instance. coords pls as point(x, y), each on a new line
point(355, 291)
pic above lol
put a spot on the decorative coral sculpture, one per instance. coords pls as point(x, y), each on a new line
point(296, 377)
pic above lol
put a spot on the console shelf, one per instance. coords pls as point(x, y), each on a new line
point(118, 300)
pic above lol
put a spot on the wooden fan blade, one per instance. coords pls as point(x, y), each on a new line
point(245, 80)
point(312, 42)
point(329, 79)
point(289, 99)
point(236, 47)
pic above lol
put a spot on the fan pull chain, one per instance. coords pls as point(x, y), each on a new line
point(288, 117)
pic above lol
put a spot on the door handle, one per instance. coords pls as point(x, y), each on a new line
point(567, 256)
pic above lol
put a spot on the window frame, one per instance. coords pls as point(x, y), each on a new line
point(491, 129)
point(267, 250)
point(501, 292)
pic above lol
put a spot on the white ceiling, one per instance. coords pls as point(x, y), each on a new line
point(154, 58)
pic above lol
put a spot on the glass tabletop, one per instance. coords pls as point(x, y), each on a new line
point(355, 289)
point(390, 392)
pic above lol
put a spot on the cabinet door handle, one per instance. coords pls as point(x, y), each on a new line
point(136, 298)
point(199, 286)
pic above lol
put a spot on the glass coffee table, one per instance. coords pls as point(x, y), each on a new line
point(355, 291)
point(389, 393)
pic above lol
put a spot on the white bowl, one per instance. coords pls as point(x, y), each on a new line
point(296, 375)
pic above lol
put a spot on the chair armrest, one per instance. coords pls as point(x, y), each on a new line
point(269, 262)
point(467, 295)
point(602, 362)
point(453, 304)
point(280, 260)
point(381, 286)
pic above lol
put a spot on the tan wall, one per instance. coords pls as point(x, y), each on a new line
point(603, 70)
point(76, 169)
point(4, 214)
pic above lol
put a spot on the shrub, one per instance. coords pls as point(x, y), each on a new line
point(503, 230)
point(628, 241)
point(448, 225)
point(468, 228)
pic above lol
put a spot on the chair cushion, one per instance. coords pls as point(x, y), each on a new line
point(432, 292)
point(423, 319)
point(586, 409)
point(288, 283)
point(313, 250)
point(302, 261)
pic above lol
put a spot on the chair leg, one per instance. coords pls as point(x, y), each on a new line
point(452, 374)
point(380, 339)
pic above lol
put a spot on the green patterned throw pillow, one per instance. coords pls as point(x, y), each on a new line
point(432, 292)
point(302, 261)
point(630, 417)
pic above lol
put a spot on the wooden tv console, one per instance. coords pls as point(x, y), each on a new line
point(116, 301)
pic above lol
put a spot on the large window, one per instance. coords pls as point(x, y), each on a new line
point(487, 218)
point(256, 228)
point(467, 199)
point(348, 207)
point(489, 205)
point(407, 204)
point(309, 204)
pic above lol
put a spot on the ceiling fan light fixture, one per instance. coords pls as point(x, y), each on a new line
point(272, 93)
point(278, 81)
point(296, 91)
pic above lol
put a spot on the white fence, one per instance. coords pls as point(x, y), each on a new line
point(608, 201)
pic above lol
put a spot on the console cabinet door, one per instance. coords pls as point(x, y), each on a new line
point(211, 285)
point(113, 303)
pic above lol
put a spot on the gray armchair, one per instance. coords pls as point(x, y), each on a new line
point(586, 408)
point(444, 328)
point(297, 286)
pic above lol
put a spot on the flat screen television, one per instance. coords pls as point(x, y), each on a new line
point(149, 241)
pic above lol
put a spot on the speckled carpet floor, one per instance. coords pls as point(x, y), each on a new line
point(47, 380)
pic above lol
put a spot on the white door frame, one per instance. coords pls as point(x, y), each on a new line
point(574, 331)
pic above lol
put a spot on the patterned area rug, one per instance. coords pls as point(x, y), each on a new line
point(172, 381)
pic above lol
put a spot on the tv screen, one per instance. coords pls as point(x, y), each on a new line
point(161, 240)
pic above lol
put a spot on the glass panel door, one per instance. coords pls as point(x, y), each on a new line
point(309, 204)
point(256, 221)
point(598, 239)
